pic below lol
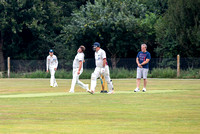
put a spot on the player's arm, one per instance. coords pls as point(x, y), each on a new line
point(138, 63)
point(104, 62)
point(147, 59)
point(80, 66)
point(145, 62)
point(104, 58)
point(137, 60)
point(56, 64)
point(103, 68)
point(47, 65)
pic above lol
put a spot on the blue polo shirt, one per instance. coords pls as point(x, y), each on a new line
point(142, 57)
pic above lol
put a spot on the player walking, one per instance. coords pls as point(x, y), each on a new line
point(142, 60)
point(52, 64)
point(101, 69)
point(78, 69)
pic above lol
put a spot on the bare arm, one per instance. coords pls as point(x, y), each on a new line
point(145, 62)
point(138, 63)
point(104, 62)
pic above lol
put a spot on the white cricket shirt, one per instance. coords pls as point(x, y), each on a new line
point(99, 56)
point(79, 57)
point(52, 62)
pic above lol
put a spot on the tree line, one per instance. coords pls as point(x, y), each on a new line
point(29, 28)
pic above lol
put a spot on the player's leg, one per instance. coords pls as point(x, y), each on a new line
point(108, 80)
point(74, 76)
point(55, 83)
point(139, 75)
point(94, 77)
point(52, 71)
point(145, 83)
point(81, 84)
point(145, 73)
point(51, 85)
point(138, 83)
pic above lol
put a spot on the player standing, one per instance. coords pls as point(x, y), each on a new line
point(78, 69)
point(142, 60)
point(101, 69)
point(52, 64)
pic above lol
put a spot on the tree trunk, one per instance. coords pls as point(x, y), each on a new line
point(114, 61)
point(2, 67)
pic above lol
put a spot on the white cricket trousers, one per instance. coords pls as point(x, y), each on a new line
point(52, 80)
point(76, 80)
point(96, 74)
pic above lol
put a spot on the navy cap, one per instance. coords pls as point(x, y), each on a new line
point(96, 44)
point(51, 50)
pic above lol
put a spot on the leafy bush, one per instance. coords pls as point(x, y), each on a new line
point(122, 73)
point(117, 73)
point(190, 74)
point(163, 73)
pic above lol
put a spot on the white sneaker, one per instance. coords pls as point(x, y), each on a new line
point(144, 90)
point(111, 92)
point(137, 90)
point(71, 91)
point(90, 91)
point(55, 85)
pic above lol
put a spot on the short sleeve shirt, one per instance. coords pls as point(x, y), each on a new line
point(52, 62)
point(99, 57)
point(79, 57)
point(142, 56)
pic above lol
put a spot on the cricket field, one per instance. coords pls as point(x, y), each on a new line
point(170, 106)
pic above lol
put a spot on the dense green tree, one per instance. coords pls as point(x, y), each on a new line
point(1, 53)
point(119, 25)
point(68, 6)
point(28, 27)
point(156, 6)
point(178, 31)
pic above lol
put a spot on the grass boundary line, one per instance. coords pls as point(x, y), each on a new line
point(34, 95)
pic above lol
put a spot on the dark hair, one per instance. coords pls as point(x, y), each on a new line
point(82, 48)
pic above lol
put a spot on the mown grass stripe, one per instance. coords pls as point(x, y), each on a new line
point(79, 93)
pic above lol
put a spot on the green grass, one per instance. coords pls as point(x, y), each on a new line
point(169, 106)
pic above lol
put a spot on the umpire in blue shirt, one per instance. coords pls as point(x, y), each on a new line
point(142, 60)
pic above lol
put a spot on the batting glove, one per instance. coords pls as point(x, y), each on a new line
point(102, 71)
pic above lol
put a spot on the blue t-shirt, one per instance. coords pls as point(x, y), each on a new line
point(142, 57)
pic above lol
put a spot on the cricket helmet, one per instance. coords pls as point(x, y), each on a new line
point(95, 45)
point(51, 50)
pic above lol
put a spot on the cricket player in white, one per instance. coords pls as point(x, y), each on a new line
point(78, 69)
point(52, 64)
point(101, 69)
